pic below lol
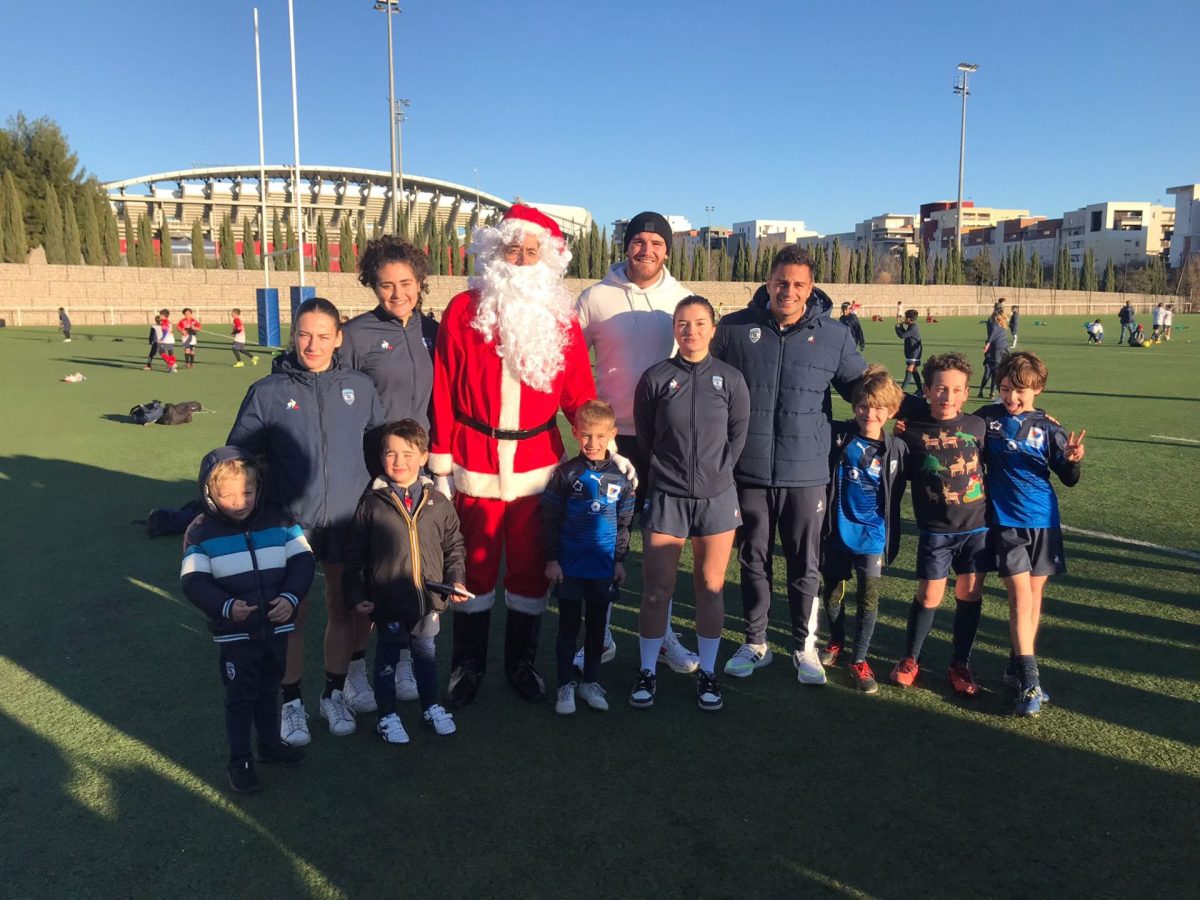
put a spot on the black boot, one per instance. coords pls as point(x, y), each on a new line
point(520, 652)
point(468, 658)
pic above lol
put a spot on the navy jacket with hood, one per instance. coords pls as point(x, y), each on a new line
point(310, 427)
point(788, 373)
point(256, 560)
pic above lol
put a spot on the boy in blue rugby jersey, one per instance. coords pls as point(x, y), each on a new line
point(1021, 448)
point(247, 566)
point(586, 511)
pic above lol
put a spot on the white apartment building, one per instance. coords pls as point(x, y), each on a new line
point(942, 224)
point(1185, 241)
point(779, 232)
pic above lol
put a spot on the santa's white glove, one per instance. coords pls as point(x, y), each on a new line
point(444, 485)
point(625, 467)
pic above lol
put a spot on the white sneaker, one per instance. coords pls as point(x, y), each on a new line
point(808, 667)
point(359, 696)
point(439, 720)
point(748, 658)
point(593, 695)
point(293, 724)
point(339, 716)
point(406, 682)
point(566, 700)
point(609, 654)
point(391, 729)
point(677, 656)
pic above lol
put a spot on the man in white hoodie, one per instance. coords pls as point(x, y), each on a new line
point(626, 323)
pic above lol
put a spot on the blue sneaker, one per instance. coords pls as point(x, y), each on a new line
point(1029, 701)
point(1013, 680)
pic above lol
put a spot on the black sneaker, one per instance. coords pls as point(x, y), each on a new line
point(242, 777)
point(279, 752)
point(642, 696)
point(708, 692)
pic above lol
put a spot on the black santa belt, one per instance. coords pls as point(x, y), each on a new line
point(505, 434)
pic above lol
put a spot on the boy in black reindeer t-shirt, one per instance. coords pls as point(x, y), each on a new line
point(950, 508)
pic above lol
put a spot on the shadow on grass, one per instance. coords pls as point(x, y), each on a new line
point(786, 784)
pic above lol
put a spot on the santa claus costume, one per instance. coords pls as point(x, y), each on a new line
point(509, 356)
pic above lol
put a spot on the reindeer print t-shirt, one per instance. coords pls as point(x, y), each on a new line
point(947, 478)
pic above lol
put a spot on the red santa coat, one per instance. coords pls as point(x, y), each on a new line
point(469, 377)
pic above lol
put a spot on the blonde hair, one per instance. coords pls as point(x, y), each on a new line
point(1000, 318)
point(877, 388)
point(596, 411)
point(231, 468)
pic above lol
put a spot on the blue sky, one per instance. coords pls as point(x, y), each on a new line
point(823, 112)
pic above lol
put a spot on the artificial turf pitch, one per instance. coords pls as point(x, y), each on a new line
point(113, 784)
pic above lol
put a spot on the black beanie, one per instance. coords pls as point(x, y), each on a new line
point(648, 221)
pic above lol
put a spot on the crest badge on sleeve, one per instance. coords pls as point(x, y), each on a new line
point(348, 396)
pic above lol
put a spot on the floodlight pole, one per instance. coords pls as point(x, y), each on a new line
point(296, 139)
point(262, 164)
point(387, 7)
point(961, 88)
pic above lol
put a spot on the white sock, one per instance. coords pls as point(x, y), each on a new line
point(708, 648)
point(649, 648)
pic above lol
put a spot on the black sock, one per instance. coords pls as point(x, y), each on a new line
point(865, 616)
point(291, 691)
point(907, 376)
point(333, 683)
point(966, 623)
point(832, 596)
point(917, 380)
point(1027, 669)
point(357, 655)
point(920, 620)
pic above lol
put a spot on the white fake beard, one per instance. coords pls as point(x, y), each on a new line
point(526, 311)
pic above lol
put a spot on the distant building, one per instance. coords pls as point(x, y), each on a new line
point(939, 223)
point(1185, 240)
point(779, 232)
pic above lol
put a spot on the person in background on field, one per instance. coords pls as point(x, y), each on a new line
point(1168, 321)
point(626, 322)
point(1095, 331)
point(909, 331)
point(1022, 447)
point(155, 331)
point(1156, 318)
point(851, 321)
point(1012, 326)
point(1138, 338)
point(1127, 317)
point(166, 340)
point(64, 325)
point(189, 327)
point(994, 351)
point(239, 342)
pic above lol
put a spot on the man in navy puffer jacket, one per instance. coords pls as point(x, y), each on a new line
point(789, 351)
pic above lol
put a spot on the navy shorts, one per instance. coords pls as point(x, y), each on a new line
point(938, 554)
point(590, 590)
point(1038, 551)
point(328, 543)
point(685, 517)
point(915, 363)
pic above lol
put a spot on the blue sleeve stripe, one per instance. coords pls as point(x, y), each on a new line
point(226, 607)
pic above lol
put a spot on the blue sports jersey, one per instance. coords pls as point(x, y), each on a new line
point(586, 510)
point(859, 516)
point(1019, 454)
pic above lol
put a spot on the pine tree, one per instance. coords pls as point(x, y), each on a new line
point(16, 241)
point(835, 265)
point(198, 256)
point(145, 249)
point(166, 251)
point(72, 252)
point(291, 258)
point(109, 237)
point(89, 231)
point(130, 238)
point(347, 261)
point(249, 257)
point(1110, 278)
point(226, 250)
point(55, 251)
point(280, 264)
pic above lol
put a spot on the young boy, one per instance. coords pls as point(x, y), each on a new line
point(405, 537)
point(586, 511)
point(1023, 446)
point(166, 340)
point(949, 505)
point(64, 325)
point(910, 332)
point(850, 320)
point(189, 325)
point(1095, 332)
point(239, 342)
point(247, 565)
point(1014, 322)
point(155, 331)
point(868, 468)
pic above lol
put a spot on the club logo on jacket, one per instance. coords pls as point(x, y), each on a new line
point(755, 335)
point(428, 343)
point(384, 345)
point(812, 339)
point(718, 381)
point(674, 385)
point(292, 404)
point(231, 672)
point(348, 396)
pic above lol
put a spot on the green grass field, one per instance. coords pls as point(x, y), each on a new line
point(113, 784)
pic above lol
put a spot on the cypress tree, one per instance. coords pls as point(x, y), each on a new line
point(1035, 270)
point(939, 271)
point(360, 239)
point(55, 251)
point(1110, 278)
point(290, 260)
point(277, 244)
point(1089, 279)
point(676, 262)
point(145, 247)
point(820, 264)
point(869, 265)
point(198, 257)
point(226, 251)
point(72, 252)
point(1003, 275)
point(835, 265)
point(166, 251)
point(724, 266)
point(583, 249)
point(3, 201)
point(89, 231)
point(109, 236)
point(249, 257)
point(130, 239)
point(347, 261)
point(456, 257)
point(322, 262)
point(921, 268)
point(16, 242)
point(595, 253)
point(1062, 270)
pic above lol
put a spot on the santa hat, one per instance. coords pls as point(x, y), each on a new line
point(527, 215)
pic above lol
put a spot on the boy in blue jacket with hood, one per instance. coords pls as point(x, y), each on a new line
point(247, 566)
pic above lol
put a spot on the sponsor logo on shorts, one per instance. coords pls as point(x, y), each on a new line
point(820, 506)
point(348, 396)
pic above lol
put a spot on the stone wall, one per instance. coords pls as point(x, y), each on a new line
point(30, 294)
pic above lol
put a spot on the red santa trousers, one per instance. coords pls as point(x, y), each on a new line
point(512, 528)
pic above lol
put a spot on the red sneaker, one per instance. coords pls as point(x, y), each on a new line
point(829, 656)
point(962, 679)
point(864, 678)
point(906, 672)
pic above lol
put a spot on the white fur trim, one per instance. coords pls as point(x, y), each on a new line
point(478, 603)
point(441, 463)
point(503, 487)
point(533, 606)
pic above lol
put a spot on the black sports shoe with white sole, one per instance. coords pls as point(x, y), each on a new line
point(642, 696)
point(708, 692)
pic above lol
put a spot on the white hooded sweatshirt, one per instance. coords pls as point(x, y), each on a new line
point(629, 329)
